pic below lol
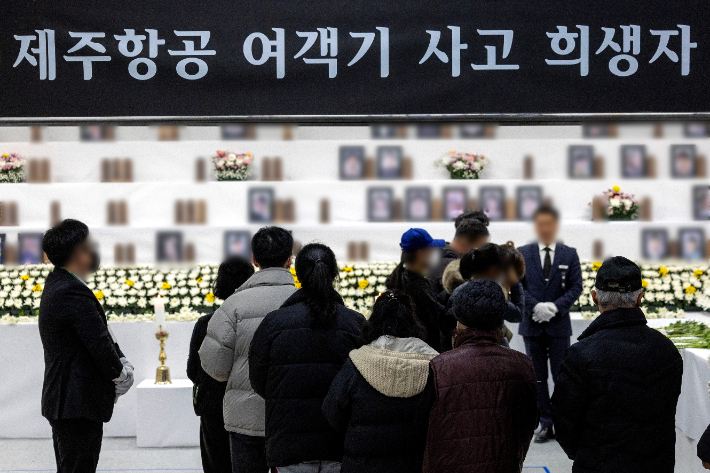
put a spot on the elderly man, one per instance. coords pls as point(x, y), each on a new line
point(615, 398)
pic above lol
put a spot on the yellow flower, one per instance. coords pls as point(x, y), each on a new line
point(209, 297)
point(363, 283)
point(99, 295)
point(24, 277)
point(292, 270)
point(663, 271)
point(616, 189)
point(690, 290)
point(199, 280)
point(165, 286)
point(4, 156)
point(644, 283)
point(347, 269)
point(596, 265)
point(697, 273)
point(130, 283)
point(37, 288)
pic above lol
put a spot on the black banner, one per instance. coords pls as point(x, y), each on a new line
point(356, 61)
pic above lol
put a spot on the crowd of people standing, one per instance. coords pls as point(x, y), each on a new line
point(292, 381)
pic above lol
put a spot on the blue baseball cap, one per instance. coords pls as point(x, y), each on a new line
point(417, 238)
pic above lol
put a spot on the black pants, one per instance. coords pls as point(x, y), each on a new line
point(248, 454)
point(214, 445)
point(77, 444)
point(540, 349)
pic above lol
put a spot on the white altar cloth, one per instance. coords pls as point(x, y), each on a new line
point(165, 417)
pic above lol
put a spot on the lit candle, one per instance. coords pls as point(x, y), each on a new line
point(159, 309)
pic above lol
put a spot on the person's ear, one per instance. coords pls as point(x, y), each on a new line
point(594, 297)
point(255, 263)
point(289, 262)
point(639, 299)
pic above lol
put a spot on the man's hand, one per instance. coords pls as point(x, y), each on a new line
point(125, 381)
point(544, 311)
point(706, 465)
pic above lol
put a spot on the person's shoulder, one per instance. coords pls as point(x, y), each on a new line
point(527, 248)
point(571, 251)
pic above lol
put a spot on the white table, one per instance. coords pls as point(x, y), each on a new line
point(165, 417)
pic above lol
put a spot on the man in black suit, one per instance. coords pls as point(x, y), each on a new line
point(85, 371)
point(552, 284)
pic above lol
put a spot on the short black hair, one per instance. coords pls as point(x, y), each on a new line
point(479, 260)
point(271, 247)
point(471, 230)
point(472, 215)
point(393, 314)
point(545, 209)
point(60, 241)
point(232, 273)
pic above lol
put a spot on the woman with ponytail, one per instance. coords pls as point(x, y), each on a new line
point(382, 396)
point(419, 255)
point(294, 356)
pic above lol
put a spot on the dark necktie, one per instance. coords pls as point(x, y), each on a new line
point(548, 263)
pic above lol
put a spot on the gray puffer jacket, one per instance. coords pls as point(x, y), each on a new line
point(225, 350)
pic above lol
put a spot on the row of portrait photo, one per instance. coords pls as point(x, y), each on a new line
point(389, 163)
point(657, 244)
point(685, 163)
point(419, 205)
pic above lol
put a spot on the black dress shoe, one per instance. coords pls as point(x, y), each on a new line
point(544, 435)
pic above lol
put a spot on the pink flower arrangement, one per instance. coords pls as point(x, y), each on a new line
point(620, 205)
point(463, 165)
point(231, 166)
point(12, 168)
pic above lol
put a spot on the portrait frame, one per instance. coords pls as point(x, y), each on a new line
point(261, 204)
point(92, 133)
point(2, 248)
point(696, 130)
point(596, 130)
point(634, 162)
point(688, 237)
point(389, 162)
point(580, 161)
point(472, 130)
point(237, 243)
point(380, 204)
point(453, 200)
point(29, 248)
point(235, 131)
point(491, 201)
point(351, 163)
point(383, 132)
point(523, 194)
point(169, 247)
point(701, 202)
point(684, 161)
point(654, 244)
point(415, 198)
point(429, 131)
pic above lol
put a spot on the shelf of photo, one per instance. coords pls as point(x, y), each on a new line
point(126, 293)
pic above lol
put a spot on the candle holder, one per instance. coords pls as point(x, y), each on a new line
point(162, 374)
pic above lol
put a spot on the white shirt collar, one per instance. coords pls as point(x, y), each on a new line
point(552, 246)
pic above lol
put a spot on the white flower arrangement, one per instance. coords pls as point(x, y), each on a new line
point(12, 168)
point(126, 293)
point(232, 166)
point(463, 165)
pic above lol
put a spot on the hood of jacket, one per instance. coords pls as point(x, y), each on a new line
point(452, 277)
point(395, 367)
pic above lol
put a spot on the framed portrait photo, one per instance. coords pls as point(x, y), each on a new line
point(383, 132)
point(380, 204)
point(352, 163)
point(418, 204)
point(492, 202)
point(235, 132)
point(93, 133)
point(261, 204)
point(695, 130)
point(237, 243)
point(389, 162)
point(654, 244)
point(633, 161)
point(683, 161)
point(701, 202)
point(692, 243)
point(30, 248)
point(596, 130)
point(528, 200)
point(472, 130)
point(581, 162)
point(2, 249)
point(429, 131)
point(455, 202)
point(169, 247)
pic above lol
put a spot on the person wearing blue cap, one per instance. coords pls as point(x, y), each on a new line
point(419, 255)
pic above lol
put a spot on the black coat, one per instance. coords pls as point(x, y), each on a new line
point(615, 397)
point(383, 434)
point(292, 365)
point(428, 308)
point(207, 392)
point(435, 275)
point(704, 446)
point(81, 359)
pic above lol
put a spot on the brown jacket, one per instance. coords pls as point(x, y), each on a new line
point(486, 408)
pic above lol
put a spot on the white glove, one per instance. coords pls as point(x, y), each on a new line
point(125, 381)
point(544, 312)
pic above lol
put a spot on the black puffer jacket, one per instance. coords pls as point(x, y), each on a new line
point(207, 392)
point(615, 398)
point(428, 308)
point(381, 400)
point(292, 365)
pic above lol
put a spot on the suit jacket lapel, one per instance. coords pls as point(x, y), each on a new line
point(537, 264)
point(559, 250)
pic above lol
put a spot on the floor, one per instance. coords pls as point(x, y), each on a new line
point(121, 454)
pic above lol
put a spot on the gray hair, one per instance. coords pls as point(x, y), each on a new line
point(613, 300)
